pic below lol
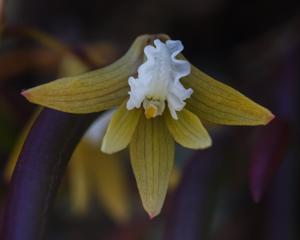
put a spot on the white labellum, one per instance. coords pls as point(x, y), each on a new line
point(158, 80)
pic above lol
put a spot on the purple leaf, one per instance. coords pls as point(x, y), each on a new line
point(267, 155)
point(189, 214)
point(38, 172)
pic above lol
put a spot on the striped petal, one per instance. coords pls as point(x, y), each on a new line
point(152, 157)
point(120, 129)
point(92, 172)
point(78, 177)
point(221, 104)
point(112, 185)
point(188, 130)
point(92, 91)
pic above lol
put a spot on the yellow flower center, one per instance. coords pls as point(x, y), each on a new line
point(151, 111)
point(153, 107)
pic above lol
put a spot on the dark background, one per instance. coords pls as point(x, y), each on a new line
point(251, 45)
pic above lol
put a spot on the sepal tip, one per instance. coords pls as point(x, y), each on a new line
point(270, 118)
point(152, 215)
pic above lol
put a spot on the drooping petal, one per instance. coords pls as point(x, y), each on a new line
point(113, 185)
point(120, 129)
point(93, 91)
point(188, 130)
point(93, 172)
point(152, 157)
point(219, 103)
point(79, 182)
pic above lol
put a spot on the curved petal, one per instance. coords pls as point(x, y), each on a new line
point(152, 157)
point(188, 130)
point(104, 174)
point(92, 91)
point(120, 129)
point(113, 185)
point(78, 177)
point(219, 103)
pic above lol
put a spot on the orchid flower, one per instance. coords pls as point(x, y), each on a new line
point(161, 99)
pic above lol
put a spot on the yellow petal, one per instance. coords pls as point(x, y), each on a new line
point(152, 157)
point(101, 175)
point(113, 187)
point(221, 104)
point(78, 177)
point(188, 130)
point(120, 129)
point(93, 91)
